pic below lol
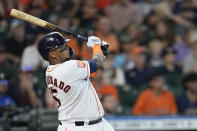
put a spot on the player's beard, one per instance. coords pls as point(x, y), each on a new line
point(71, 54)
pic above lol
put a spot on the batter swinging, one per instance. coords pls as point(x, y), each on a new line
point(79, 108)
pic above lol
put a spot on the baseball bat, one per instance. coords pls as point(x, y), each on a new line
point(42, 23)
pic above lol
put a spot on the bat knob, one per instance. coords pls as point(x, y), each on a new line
point(104, 49)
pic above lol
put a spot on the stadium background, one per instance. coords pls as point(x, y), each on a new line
point(149, 40)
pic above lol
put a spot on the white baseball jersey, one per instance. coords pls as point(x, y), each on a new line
point(70, 85)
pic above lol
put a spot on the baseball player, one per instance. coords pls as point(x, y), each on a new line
point(79, 108)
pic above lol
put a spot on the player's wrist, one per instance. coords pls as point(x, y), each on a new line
point(97, 49)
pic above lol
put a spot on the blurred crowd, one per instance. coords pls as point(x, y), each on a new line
point(151, 67)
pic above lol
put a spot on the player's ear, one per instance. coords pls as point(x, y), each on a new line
point(52, 54)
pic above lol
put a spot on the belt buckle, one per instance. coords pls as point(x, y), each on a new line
point(86, 122)
point(79, 123)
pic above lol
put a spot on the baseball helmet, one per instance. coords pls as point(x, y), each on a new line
point(50, 42)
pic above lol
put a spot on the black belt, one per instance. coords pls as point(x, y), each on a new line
point(81, 123)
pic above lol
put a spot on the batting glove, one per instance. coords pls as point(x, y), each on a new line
point(92, 40)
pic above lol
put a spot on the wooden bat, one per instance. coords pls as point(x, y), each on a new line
point(42, 23)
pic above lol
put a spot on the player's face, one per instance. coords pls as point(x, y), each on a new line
point(60, 54)
point(63, 53)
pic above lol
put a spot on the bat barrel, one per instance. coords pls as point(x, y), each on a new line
point(39, 22)
point(26, 17)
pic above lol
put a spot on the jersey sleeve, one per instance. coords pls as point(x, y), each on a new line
point(76, 70)
point(93, 66)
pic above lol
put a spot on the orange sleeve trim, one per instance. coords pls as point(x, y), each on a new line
point(98, 109)
point(52, 68)
point(87, 71)
point(97, 49)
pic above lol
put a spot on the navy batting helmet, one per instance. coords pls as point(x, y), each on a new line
point(50, 42)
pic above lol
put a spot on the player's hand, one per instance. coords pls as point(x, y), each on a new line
point(93, 40)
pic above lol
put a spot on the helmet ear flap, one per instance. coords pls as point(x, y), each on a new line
point(72, 52)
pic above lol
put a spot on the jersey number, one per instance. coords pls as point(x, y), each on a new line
point(66, 89)
point(55, 98)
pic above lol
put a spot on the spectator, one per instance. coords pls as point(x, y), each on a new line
point(17, 38)
point(8, 5)
point(6, 65)
point(86, 52)
point(148, 27)
point(3, 30)
point(103, 88)
point(122, 13)
point(25, 3)
point(145, 7)
point(163, 33)
point(133, 34)
point(188, 10)
point(122, 62)
point(53, 6)
point(31, 57)
point(155, 100)
point(5, 100)
point(138, 75)
point(155, 51)
point(109, 70)
point(109, 104)
point(183, 47)
point(31, 29)
point(112, 75)
point(171, 72)
point(102, 4)
point(104, 33)
point(63, 22)
point(190, 61)
point(70, 7)
point(166, 9)
point(125, 56)
point(24, 92)
point(53, 10)
point(87, 13)
point(34, 8)
point(2, 8)
point(187, 103)
point(170, 67)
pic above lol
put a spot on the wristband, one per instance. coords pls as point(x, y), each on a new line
point(97, 49)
